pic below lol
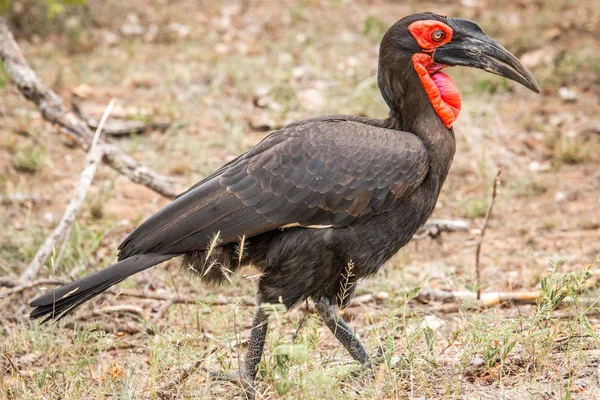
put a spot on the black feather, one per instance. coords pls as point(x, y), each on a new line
point(60, 302)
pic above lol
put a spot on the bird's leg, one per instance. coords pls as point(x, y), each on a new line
point(340, 329)
point(247, 372)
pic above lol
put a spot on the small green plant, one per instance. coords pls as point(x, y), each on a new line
point(29, 159)
point(475, 208)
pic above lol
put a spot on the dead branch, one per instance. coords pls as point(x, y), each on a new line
point(483, 229)
point(92, 160)
point(8, 282)
point(17, 287)
point(470, 300)
point(435, 227)
point(52, 109)
point(175, 299)
point(119, 128)
point(123, 128)
point(21, 198)
point(126, 327)
point(123, 309)
point(485, 300)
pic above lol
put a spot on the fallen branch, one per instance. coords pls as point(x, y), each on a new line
point(175, 299)
point(483, 229)
point(92, 160)
point(124, 327)
point(469, 299)
point(485, 299)
point(123, 309)
point(435, 227)
point(123, 128)
point(21, 198)
point(8, 282)
point(17, 287)
point(52, 109)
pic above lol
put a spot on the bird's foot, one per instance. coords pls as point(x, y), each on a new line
point(368, 368)
point(239, 378)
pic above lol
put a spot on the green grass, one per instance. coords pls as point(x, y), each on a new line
point(30, 159)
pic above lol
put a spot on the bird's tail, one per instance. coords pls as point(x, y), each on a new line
point(60, 302)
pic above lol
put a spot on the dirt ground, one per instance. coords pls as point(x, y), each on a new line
point(227, 73)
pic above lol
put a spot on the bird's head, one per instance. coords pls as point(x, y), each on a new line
point(418, 47)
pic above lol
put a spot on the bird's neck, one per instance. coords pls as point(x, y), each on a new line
point(411, 111)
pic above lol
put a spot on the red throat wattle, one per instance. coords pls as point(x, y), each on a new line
point(440, 88)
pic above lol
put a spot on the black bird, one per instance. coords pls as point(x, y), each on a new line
point(320, 194)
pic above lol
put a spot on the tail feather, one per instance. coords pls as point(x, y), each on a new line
point(60, 302)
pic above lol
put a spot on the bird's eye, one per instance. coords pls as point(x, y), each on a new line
point(438, 35)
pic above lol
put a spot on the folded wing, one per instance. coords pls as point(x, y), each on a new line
point(329, 172)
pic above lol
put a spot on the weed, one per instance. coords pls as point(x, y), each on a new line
point(475, 208)
point(29, 159)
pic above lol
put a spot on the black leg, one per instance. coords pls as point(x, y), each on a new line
point(260, 322)
point(247, 373)
point(329, 313)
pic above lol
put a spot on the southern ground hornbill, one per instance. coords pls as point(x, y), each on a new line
point(321, 193)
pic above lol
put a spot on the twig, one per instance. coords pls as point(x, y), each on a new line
point(6, 281)
point(181, 299)
point(124, 128)
point(122, 308)
point(483, 229)
point(485, 300)
point(20, 198)
point(450, 298)
point(128, 327)
point(16, 287)
point(162, 310)
point(92, 160)
point(295, 334)
point(435, 227)
point(185, 373)
point(52, 109)
point(12, 365)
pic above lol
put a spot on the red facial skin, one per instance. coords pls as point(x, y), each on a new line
point(441, 90)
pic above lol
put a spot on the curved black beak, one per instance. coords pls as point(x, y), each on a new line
point(471, 47)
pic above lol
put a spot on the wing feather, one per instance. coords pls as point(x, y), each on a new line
point(323, 172)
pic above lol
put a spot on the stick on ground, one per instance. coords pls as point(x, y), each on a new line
point(51, 107)
point(483, 229)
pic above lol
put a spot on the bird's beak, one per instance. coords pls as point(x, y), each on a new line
point(480, 51)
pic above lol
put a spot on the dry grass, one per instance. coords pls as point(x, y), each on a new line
point(296, 60)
